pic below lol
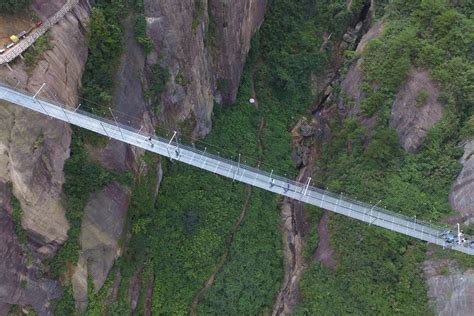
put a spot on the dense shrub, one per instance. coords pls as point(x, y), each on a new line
point(14, 6)
point(105, 41)
point(140, 33)
point(371, 166)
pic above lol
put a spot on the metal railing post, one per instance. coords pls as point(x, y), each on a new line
point(116, 123)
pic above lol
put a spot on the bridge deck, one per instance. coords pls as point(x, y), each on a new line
point(336, 203)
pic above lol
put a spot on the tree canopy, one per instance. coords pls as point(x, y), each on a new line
point(11, 6)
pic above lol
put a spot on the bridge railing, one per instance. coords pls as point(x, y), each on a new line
point(363, 209)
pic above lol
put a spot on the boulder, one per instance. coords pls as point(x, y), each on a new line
point(307, 129)
point(349, 38)
point(413, 116)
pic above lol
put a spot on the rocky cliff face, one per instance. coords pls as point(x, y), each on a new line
point(461, 197)
point(20, 278)
point(416, 109)
point(450, 288)
point(32, 154)
point(34, 147)
point(351, 86)
point(102, 227)
point(203, 44)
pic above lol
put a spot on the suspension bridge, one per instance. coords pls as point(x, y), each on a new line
point(304, 192)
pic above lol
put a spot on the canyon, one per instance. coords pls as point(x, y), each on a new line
point(204, 46)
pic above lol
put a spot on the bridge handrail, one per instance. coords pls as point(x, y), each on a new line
point(366, 211)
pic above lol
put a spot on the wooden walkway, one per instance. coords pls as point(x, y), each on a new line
point(24, 44)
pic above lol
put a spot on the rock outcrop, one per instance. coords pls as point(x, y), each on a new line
point(461, 196)
point(102, 226)
point(451, 290)
point(351, 85)
point(416, 109)
point(203, 44)
point(33, 149)
point(20, 278)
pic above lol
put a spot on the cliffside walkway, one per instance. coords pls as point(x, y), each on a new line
point(234, 170)
point(24, 44)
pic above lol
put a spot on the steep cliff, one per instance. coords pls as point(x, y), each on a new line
point(461, 197)
point(178, 30)
point(203, 45)
point(33, 151)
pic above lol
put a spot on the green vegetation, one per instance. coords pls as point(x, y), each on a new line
point(180, 238)
point(140, 33)
point(34, 53)
point(14, 6)
point(158, 78)
point(17, 214)
point(247, 283)
point(96, 301)
point(82, 178)
point(181, 79)
point(18, 310)
point(371, 166)
point(65, 305)
point(468, 129)
point(105, 37)
point(422, 97)
point(192, 234)
point(198, 13)
point(139, 26)
point(427, 34)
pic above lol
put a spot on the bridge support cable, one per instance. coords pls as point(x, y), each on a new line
point(326, 200)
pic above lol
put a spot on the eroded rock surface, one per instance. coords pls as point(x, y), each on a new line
point(20, 279)
point(47, 8)
point(79, 284)
point(416, 109)
point(451, 290)
point(203, 44)
point(373, 33)
point(33, 148)
point(462, 196)
point(101, 230)
point(324, 253)
point(351, 86)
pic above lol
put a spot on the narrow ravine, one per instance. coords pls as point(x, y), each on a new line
point(293, 228)
point(293, 224)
